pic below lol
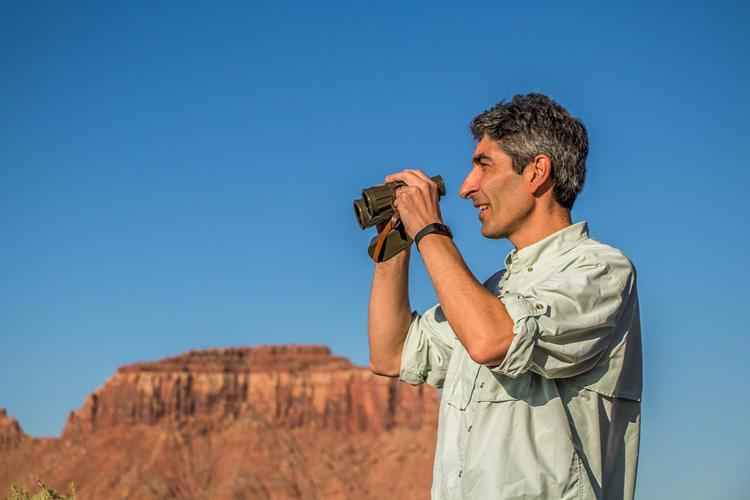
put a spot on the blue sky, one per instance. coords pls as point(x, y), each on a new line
point(179, 175)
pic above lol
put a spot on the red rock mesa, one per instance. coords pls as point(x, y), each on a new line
point(271, 422)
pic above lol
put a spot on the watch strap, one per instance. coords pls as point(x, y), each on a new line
point(435, 227)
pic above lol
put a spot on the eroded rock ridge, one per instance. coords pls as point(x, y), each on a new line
point(291, 385)
point(270, 422)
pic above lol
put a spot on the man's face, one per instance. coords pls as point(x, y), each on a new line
point(500, 194)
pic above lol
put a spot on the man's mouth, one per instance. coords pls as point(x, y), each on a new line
point(482, 208)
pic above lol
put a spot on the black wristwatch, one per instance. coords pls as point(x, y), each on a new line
point(433, 228)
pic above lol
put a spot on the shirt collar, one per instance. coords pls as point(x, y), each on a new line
point(553, 245)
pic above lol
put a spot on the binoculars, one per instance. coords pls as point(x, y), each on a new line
point(376, 206)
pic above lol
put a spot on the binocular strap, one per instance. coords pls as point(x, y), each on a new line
point(376, 256)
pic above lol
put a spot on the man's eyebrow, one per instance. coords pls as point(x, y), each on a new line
point(481, 157)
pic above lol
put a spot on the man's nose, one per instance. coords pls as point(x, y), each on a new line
point(469, 187)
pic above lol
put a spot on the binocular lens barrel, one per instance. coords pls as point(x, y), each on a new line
point(363, 216)
point(375, 205)
point(378, 198)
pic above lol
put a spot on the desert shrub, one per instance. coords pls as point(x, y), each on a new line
point(45, 493)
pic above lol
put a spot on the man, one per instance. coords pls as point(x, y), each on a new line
point(540, 366)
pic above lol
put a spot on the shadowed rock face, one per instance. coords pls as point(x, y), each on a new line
point(260, 422)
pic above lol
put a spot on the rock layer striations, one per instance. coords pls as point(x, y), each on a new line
point(255, 422)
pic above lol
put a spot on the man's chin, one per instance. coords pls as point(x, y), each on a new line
point(488, 232)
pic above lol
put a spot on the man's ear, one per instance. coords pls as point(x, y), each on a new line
point(539, 174)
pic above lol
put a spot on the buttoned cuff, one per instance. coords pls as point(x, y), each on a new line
point(524, 312)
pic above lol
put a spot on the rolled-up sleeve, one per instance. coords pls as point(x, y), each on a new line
point(563, 324)
point(427, 349)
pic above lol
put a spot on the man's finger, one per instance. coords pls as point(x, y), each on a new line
point(410, 177)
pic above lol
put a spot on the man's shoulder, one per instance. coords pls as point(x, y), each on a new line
point(617, 264)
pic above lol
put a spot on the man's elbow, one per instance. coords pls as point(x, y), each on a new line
point(488, 354)
point(384, 370)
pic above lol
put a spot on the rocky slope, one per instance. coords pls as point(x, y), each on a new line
point(266, 422)
point(11, 435)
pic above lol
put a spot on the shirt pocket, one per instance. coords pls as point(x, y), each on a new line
point(496, 387)
point(461, 376)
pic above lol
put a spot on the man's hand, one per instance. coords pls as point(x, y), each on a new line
point(478, 318)
point(417, 202)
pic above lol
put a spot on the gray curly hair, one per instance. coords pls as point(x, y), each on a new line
point(534, 124)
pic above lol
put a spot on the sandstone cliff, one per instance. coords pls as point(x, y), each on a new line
point(262, 422)
point(11, 435)
point(291, 386)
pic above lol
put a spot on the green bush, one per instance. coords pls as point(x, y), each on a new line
point(44, 493)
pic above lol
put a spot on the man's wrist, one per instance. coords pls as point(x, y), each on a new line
point(436, 228)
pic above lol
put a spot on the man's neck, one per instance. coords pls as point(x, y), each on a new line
point(541, 226)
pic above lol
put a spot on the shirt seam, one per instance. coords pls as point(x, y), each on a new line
point(608, 269)
point(580, 480)
point(602, 393)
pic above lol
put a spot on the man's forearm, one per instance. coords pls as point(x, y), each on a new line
point(477, 317)
point(389, 314)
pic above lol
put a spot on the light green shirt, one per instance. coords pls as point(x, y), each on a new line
point(559, 418)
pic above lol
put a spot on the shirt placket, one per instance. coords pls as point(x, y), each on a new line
point(511, 272)
point(469, 430)
point(470, 413)
point(463, 441)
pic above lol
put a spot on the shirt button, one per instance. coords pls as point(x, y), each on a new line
point(460, 472)
point(539, 306)
point(481, 385)
point(507, 291)
point(530, 269)
point(469, 430)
